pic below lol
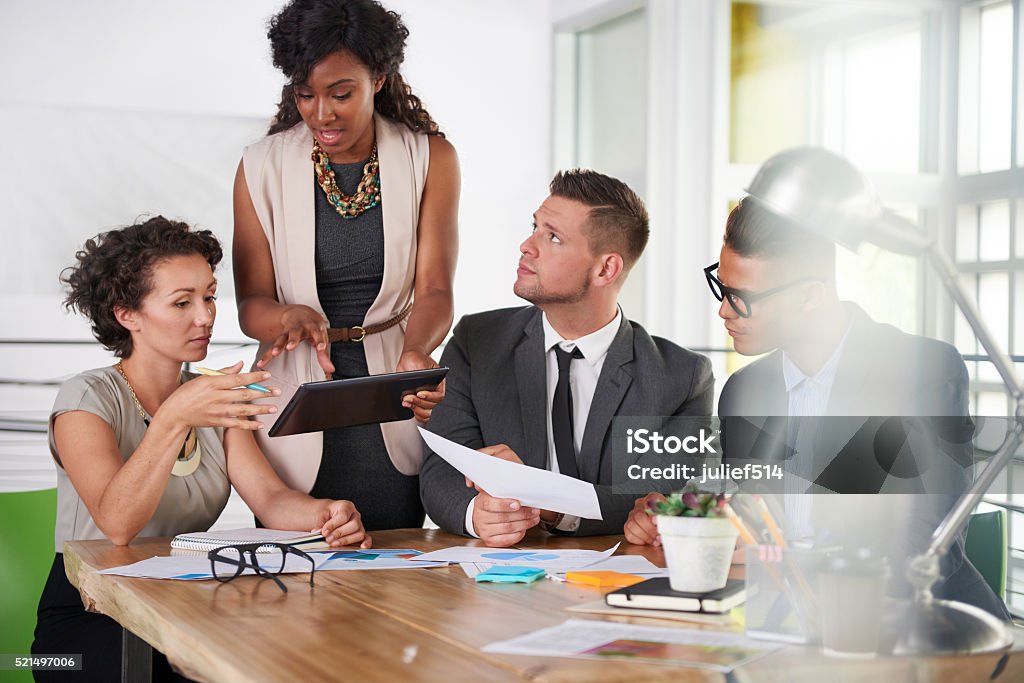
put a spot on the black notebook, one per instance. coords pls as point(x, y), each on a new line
point(658, 594)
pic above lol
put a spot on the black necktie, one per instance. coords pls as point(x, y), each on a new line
point(561, 414)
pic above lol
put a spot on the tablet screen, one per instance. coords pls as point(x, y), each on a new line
point(317, 406)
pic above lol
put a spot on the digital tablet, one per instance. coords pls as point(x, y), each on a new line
point(317, 406)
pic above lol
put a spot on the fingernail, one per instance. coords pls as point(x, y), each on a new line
point(513, 505)
point(422, 394)
point(273, 409)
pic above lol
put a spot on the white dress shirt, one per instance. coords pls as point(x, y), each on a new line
point(583, 375)
point(808, 397)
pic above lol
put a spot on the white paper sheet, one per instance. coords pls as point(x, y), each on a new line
point(551, 560)
point(624, 564)
point(194, 567)
point(531, 486)
point(473, 568)
point(352, 560)
point(604, 639)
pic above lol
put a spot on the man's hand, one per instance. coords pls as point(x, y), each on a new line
point(501, 522)
point(500, 451)
point(640, 527)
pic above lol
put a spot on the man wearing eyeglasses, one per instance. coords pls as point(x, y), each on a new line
point(828, 360)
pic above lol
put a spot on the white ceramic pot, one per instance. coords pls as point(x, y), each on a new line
point(698, 551)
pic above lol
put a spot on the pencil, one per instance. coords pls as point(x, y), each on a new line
point(216, 373)
point(745, 534)
point(766, 515)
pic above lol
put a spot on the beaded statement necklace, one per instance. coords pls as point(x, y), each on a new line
point(191, 451)
point(367, 194)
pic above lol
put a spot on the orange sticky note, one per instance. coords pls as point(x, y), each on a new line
point(603, 579)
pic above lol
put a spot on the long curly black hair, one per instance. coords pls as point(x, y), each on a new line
point(306, 31)
point(116, 269)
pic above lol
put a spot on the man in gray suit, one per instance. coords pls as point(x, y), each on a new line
point(540, 384)
point(876, 415)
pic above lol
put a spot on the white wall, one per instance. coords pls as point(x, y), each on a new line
point(114, 109)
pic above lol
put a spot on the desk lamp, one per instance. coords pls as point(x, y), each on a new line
point(826, 195)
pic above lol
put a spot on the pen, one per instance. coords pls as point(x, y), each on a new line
point(215, 373)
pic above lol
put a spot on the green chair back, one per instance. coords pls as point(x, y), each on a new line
point(26, 554)
point(986, 548)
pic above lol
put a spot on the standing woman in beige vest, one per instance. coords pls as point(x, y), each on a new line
point(346, 228)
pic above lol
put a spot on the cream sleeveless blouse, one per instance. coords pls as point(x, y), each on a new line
point(279, 176)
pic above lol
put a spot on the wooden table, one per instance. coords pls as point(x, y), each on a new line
point(416, 625)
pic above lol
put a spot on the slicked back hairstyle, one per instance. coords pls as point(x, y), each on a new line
point(618, 220)
point(116, 269)
point(753, 231)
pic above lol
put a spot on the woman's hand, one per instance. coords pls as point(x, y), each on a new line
point(341, 525)
point(221, 401)
point(301, 323)
point(422, 403)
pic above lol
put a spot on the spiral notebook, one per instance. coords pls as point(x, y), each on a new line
point(210, 540)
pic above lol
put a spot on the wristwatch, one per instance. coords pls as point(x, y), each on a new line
point(550, 526)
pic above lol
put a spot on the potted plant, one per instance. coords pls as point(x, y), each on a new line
point(698, 539)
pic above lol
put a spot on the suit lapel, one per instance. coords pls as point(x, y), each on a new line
point(608, 395)
point(531, 381)
point(855, 371)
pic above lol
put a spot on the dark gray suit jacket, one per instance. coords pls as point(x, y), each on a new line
point(497, 393)
point(883, 372)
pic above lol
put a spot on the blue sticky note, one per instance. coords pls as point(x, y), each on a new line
point(510, 575)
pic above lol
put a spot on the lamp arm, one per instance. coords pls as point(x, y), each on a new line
point(951, 279)
point(957, 517)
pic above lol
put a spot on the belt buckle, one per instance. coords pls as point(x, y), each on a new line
point(362, 333)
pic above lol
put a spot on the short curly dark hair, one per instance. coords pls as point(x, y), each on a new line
point(306, 31)
point(115, 268)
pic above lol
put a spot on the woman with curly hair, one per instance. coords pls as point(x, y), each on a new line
point(143, 449)
point(346, 237)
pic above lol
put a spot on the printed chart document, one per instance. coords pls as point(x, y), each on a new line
point(604, 639)
point(198, 567)
point(531, 486)
point(548, 559)
point(624, 564)
point(350, 560)
point(195, 566)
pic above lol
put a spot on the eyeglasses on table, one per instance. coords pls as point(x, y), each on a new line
point(267, 560)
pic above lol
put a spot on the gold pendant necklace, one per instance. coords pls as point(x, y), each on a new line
point(367, 194)
point(191, 451)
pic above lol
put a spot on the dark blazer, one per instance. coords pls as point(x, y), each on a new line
point(883, 373)
point(497, 393)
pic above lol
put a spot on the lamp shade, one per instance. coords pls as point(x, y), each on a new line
point(824, 194)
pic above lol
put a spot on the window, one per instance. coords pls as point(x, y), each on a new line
point(601, 111)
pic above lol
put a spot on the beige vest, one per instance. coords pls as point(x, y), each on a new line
point(279, 174)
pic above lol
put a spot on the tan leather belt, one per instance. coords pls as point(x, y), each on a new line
point(358, 333)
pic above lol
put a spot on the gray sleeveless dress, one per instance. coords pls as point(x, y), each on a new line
point(349, 272)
